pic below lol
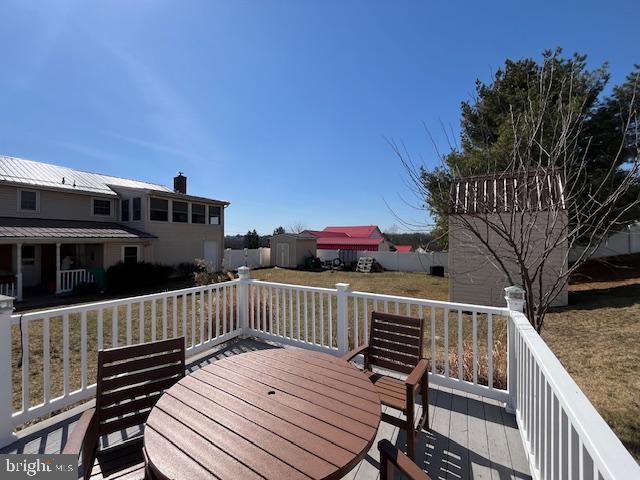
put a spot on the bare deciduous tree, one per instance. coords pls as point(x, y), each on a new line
point(545, 205)
point(296, 227)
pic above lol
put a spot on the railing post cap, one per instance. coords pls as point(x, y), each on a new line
point(343, 287)
point(6, 303)
point(514, 296)
point(244, 273)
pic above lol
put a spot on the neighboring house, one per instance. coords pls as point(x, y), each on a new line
point(474, 274)
point(59, 226)
point(362, 238)
point(290, 250)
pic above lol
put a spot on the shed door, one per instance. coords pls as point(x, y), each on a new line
point(211, 252)
point(283, 255)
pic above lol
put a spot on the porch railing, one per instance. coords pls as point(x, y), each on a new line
point(13, 287)
point(70, 278)
point(489, 351)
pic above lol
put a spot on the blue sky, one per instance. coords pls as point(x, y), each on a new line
point(282, 108)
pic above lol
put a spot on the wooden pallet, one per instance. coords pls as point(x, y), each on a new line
point(364, 264)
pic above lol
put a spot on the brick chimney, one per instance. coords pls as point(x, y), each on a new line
point(180, 183)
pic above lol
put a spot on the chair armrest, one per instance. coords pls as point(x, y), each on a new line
point(83, 432)
point(417, 374)
point(84, 439)
point(355, 352)
point(390, 454)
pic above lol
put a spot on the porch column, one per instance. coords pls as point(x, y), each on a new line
point(19, 271)
point(57, 268)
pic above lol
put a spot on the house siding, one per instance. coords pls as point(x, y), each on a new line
point(475, 277)
point(56, 205)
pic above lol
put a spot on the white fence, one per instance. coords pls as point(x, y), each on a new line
point(493, 352)
point(70, 278)
point(246, 257)
point(398, 261)
point(624, 242)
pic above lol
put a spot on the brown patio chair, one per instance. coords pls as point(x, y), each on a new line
point(130, 381)
point(393, 459)
point(395, 343)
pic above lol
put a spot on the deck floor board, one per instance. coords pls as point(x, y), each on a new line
point(469, 437)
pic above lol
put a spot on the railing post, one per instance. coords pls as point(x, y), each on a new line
point(343, 334)
point(6, 390)
point(515, 303)
point(244, 275)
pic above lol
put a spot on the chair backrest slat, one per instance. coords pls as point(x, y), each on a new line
point(395, 341)
point(132, 379)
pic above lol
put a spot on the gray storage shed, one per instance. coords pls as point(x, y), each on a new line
point(289, 250)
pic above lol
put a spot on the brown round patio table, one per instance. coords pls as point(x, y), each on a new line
point(282, 413)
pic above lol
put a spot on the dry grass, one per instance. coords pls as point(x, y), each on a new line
point(597, 341)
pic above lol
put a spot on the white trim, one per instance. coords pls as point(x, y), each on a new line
point(19, 200)
point(130, 246)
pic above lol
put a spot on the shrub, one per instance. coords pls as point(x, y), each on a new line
point(205, 273)
point(85, 288)
point(124, 277)
point(187, 269)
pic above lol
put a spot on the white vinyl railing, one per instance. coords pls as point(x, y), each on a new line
point(70, 278)
point(488, 351)
point(66, 341)
point(8, 289)
point(563, 434)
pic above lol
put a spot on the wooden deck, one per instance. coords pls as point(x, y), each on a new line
point(468, 436)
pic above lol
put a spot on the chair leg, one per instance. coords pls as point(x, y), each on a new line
point(425, 402)
point(411, 436)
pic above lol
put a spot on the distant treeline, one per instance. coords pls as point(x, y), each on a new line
point(238, 241)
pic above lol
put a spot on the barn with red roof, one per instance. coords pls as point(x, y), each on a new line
point(361, 238)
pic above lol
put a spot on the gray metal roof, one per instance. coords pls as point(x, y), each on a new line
point(29, 172)
point(49, 228)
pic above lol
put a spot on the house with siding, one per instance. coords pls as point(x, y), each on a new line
point(60, 226)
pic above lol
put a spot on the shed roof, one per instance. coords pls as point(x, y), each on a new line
point(506, 192)
point(11, 227)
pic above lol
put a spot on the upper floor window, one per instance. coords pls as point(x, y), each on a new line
point(198, 214)
point(159, 209)
point(101, 207)
point(28, 200)
point(124, 214)
point(214, 215)
point(137, 209)
point(180, 212)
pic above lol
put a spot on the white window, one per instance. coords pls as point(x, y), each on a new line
point(137, 209)
point(180, 212)
point(197, 213)
point(102, 207)
point(28, 200)
point(130, 254)
point(214, 215)
point(159, 209)
point(124, 214)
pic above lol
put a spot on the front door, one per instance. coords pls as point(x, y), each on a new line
point(31, 270)
point(283, 255)
point(211, 252)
